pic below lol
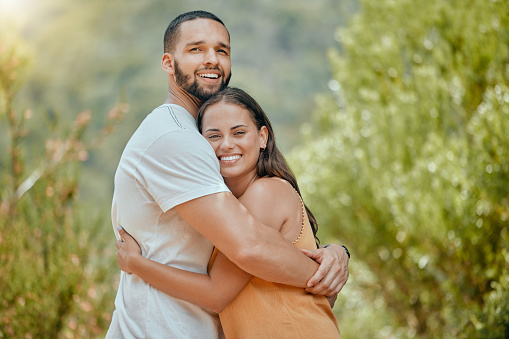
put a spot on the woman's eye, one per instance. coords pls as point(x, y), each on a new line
point(213, 136)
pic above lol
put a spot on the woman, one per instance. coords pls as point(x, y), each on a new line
point(257, 174)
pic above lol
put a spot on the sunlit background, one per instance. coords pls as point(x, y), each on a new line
point(15, 10)
point(393, 114)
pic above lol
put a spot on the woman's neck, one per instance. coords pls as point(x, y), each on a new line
point(239, 185)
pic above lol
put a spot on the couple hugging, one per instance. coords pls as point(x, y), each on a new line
point(211, 226)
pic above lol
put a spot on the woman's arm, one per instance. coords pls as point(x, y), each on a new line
point(213, 291)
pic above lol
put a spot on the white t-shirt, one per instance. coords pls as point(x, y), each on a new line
point(166, 163)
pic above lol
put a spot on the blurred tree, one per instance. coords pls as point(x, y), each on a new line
point(54, 281)
point(90, 54)
point(409, 166)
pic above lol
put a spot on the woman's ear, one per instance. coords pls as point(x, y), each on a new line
point(264, 136)
point(167, 63)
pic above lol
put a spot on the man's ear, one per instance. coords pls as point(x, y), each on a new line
point(167, 63)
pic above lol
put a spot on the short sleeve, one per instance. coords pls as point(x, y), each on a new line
point(178, 167)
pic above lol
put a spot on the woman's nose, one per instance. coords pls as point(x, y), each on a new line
point(227, 143)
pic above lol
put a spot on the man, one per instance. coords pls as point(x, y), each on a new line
point(170, 196)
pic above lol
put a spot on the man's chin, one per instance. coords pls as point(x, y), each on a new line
point(205, 95)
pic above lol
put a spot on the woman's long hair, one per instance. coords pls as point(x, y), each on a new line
point(271, 162)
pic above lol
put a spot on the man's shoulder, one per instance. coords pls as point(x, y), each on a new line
point(171, 107)
point(166, 121)
point(173, 115)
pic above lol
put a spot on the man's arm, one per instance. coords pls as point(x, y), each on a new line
point(254, 247)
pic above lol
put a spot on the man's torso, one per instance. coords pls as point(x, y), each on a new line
point(166, 163)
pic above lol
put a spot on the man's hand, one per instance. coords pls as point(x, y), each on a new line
point(128, 251)
point(332, 275)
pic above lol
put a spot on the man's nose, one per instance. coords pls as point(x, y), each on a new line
point(211, 57)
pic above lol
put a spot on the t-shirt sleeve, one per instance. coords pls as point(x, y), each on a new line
point(178, 167)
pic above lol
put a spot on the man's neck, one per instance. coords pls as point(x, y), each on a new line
point(185, 100)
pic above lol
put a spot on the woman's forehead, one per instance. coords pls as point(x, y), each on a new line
point(226, 113)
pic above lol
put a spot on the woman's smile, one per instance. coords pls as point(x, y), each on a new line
point(229, 159)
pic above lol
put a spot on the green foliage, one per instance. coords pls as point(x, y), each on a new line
point(410, 165)
point(493, 321)
point(54, 281)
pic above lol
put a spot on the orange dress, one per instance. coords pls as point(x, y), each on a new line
point(269, 310)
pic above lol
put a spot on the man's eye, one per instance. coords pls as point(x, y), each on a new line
point(222, 51)
point(240, 132)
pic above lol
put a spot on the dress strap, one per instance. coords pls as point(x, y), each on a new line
point(301, 233)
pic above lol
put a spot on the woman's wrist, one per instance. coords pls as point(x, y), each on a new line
point(135, 263)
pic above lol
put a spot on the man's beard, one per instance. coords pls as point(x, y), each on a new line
point(194, 89)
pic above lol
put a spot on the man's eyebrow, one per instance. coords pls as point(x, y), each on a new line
point(200, 42)
point(222, 44)
point(193, 43)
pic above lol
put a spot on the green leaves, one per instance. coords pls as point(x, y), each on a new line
point(409, 161)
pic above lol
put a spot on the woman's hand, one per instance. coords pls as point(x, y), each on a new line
point(128, 251)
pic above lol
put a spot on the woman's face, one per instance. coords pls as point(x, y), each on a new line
point(234, 137)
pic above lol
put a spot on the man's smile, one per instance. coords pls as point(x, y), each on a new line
point(209, 75)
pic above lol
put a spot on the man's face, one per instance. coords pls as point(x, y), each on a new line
point(202, 58)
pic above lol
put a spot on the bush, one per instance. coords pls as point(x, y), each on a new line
point(54, 281)
point(408, 163)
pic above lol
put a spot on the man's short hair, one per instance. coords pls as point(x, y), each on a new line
point(172, 32)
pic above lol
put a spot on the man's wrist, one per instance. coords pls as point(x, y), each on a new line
point(346, 249)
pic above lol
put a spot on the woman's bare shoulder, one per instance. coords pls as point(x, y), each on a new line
point(272, 186)
point(271, 200)
point(271, 192)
